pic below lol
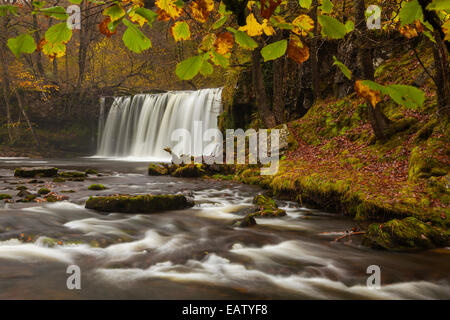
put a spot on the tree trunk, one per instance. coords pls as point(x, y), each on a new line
point(37, 39)
point(19, 102)
point(379, 122)
point(5, 75)
point(279, 89)
point(259, 89)
point(315, 75)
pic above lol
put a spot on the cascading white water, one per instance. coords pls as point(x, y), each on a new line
point(141, 126)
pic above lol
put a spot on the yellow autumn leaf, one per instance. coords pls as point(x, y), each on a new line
point(446, 29)
point(297, 50)
point(137, 18)
point(168, 9)
point(303, 24)
point(201, 9)
point(367, 93)
point(408, 32)
point(224, 43)
point(254, 28)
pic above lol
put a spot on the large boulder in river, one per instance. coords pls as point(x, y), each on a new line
point(406, 234)
point(36, 172)
point(139, 203)
point(267, 208)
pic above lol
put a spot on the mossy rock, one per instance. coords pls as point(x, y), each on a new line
point(27, 198)
point(36, 172)
point(246, 222)
point(20, 188)
point(51, 198)
point(97, 187)
point(188, 171)
point(72, 174)
point(423, 165)
point(406, 234)
point(156, 170)
point(59, 179)
point(267, 208)
point(90, 171)
point(4, 196)
point(138, 204)
point(44, 191)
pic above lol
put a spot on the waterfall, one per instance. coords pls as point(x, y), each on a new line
point(141, 126)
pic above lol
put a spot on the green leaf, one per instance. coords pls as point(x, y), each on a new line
point(274, 50)
point(327, 6)
point(219, 59)
point(5, 9)
point(244, 40)
point(439, 5)
point(331, 27)
point(305, 3)
point(408, 96)
point(147, 14)
point(58, 33)
point(76, 1)
point(181, 31)
point(206, 69)
point(346, 71)
point(410, 12)
point(189, 68)
point(55, 12)
point(134, 39)
point(349, 26)
point(114, 12)
point(219, 23)
point(21, 44)
point(38, 4)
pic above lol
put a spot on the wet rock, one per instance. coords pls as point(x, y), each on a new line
point(27, 198)
point(246, 222)
point(97, 187)
point(58, 179)
point(23, 193)
point(188, 171)
point(44, 191)
point(247, 210)
point(90, 171)
point(138, 203)
point(72, 174)
point(407, 234)
point(267, 208)
point(4, 196)
point(22, 188)
point(36, 172)
point(157, 170)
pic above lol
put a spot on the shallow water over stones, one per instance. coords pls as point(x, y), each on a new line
point(193, 253)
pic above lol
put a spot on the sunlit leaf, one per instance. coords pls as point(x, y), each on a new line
point(23, 43)
point(274, 50)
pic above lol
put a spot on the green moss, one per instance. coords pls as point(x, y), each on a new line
point(35, 172)
point(58, 179)
point(22, 188)
point(4, 196)
point(423, 164)
point(90, 171)
point(72, 174)
point(406, 234)
point(157, 170)
point(188, 171)
point(97, 187)
point(44, 191)
point(138, 204)
point(267, 207)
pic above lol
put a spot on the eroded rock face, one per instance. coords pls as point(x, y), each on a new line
point(406, 234)
point(139, 203)
point(36, 172)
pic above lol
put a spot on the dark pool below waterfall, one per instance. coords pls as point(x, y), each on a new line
point(193, 253)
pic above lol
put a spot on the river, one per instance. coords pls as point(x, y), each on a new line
point(193, 253)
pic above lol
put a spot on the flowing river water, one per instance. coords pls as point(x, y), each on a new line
point(193, 253)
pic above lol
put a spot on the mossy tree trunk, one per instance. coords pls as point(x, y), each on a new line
point(262, 101)
point(378, 120)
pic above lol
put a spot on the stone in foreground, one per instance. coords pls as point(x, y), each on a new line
point(139, 204)
point(36, 172)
